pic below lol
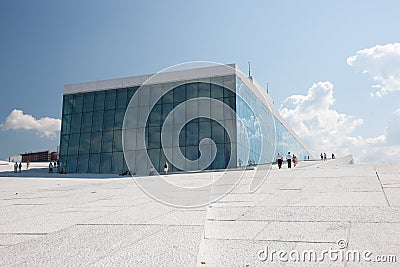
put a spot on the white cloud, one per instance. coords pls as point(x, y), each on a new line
point(382, 63)
point(392, 131)
point(324, 129)
point(17, 120)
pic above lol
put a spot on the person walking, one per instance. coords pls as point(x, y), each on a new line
point(166, 168)
point(289, 160)
point(15, 167)
point(322, 157)
point(294, 160)
point(27, 165)
point(50, 167)
point(325, 158)
point(279, 160)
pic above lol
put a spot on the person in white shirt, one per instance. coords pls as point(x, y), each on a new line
point(279, 160)
point(15, 167)
point(289, 160)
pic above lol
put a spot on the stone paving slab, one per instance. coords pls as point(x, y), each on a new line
point(172, 246)
point(76, 245)
point(317, 232)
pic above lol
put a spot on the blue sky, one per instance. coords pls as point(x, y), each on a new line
point(291, 45)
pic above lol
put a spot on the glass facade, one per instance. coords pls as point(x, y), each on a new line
point(91, 131)
point(261, 135)
point(92, 128)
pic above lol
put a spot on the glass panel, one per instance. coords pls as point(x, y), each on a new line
point(66, 124)
point(219, 161)
point(106, 161)
point(73, 144)
point(168, 135)
point(168, 97)
point(77, 104)
point(182, 137)
point(217, 91)
point(192, 152)
point(108, 120)
point(99, 98)
point(179, 94)
point(119, 118)
point(94, 163)
point(117, 162)
point(204, 90)
point(67, 104)
point(192, 110)
point(107, 140)
point(84, 143)
point(166, 109)
point(155, 93)
point(97, 122)
point(110, 99)
point(88, 100)
point(204, 129)
point(180, 117)
point(229, 82)
point(64, 140)
point(144, 95)
point(83, 163)
point(217, 111)
point(86, 122)
point(154, 137)
point(131, 92)
point(95, 142)
point(205, 109)
point(72, 163)
point(155, 116)
point(76, 123)
point(192, 133)
point(192, 90)
point(217, 132)
point(154, 155)
point(129, 139)
point(122, 95)
point(117, 143)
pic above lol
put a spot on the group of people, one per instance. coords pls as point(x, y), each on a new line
point(325, 158)
point(289, 159)
point(53, 165)
point(18, 166)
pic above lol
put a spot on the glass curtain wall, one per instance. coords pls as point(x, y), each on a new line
point(267, 135)
point(91, 132)
point(192, 132)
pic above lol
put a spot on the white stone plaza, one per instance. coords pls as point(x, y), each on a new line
point(85, 220)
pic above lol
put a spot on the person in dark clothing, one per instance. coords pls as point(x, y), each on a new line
point(279, 160)
point(289, 160)
point(166, 168)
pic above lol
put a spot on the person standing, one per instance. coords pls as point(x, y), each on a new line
point(15, 167)
point(294, 160)
point(27, 165)
point(50, 167)
point(20, 166)
point(166, 168)
point(322, 157)
point(279, 160)
point(325, 158)
point(289, 160)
